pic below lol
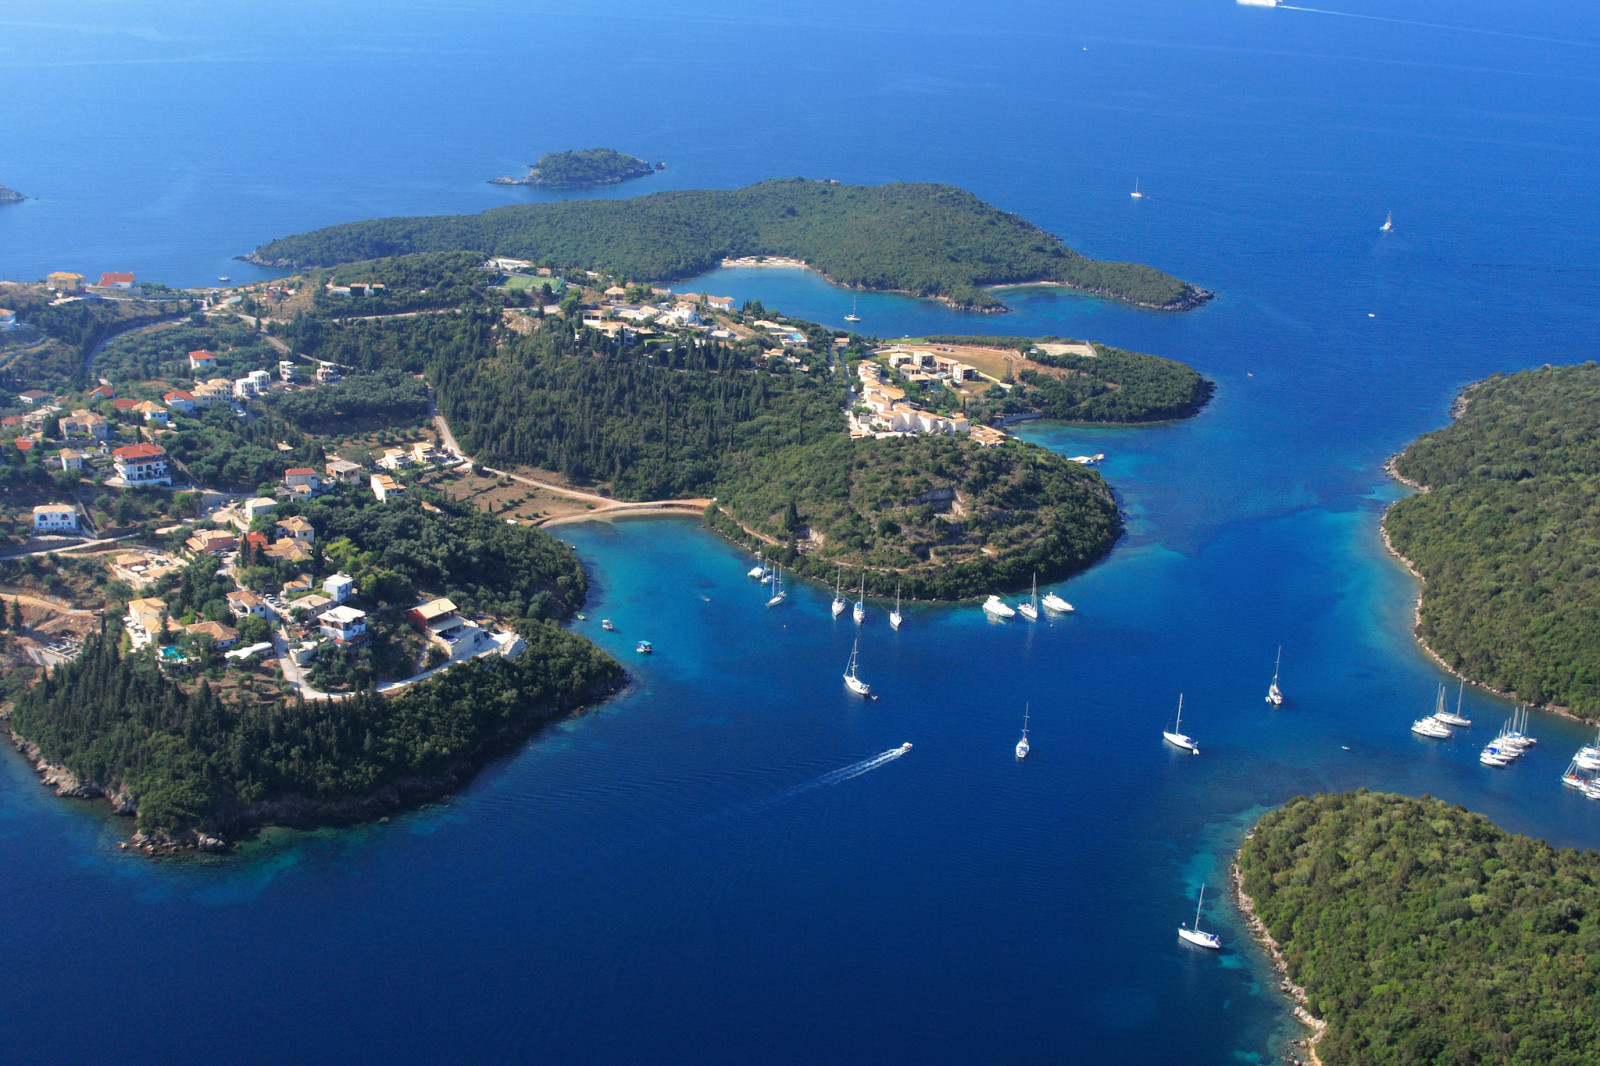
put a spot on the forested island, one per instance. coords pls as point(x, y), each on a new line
point(200, 755)
point(587, 169)
point(930, 240)
point(1504, 535)
point(1421, 933)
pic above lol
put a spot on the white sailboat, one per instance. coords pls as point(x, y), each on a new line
point(1136, 194)
point(1030, 608)
point(1175, 737)
point(1572, 779)
point(1195, 936)
point(1274, 693)
point(1388, 224)
point(779, 594)
point(1588, 757)
point(852, 316)
point(1432, 728)
point(1022, 745)
point(1055, 603)
point(895, 617)
point(851, 681)
point(859, 611)
point(838, 600)
point(995, 607)
point(1493, 756)
point(1452, 717)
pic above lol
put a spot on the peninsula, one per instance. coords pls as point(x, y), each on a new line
point(1421, 933)
point(929, 240)
point(10, 196)
point(588, 169)
point(1502, 534)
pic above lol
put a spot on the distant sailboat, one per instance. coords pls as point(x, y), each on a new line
point(1136, 194)
point(838, 600)
point(1274, 693)
point(852, 316)
point(1029, 609)
point(778, 593)
point(1195, 936)
point(1449, 718)
point(859, 612)
point(851, 681)
point(895, 617)
point(1022, 745)
point(1175, 737)
point(1388, 224)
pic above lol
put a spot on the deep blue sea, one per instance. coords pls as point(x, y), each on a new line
point(684, 875)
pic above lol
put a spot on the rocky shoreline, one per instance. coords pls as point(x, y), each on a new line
point(1274, 952)
point(295, 810)
point(9, 195)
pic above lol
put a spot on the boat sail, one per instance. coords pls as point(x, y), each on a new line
point(851, 681)
point(895, 617)
point(1274, 693)
point(859, 611)
point(838, 600)
point(1453, 717)
point(1196, 936)
point(1030, 609)
point(779, 594)
point(1175, 736)
point(1022, 745)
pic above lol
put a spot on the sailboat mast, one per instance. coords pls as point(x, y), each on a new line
point(1178, 728)
point(1197, 907)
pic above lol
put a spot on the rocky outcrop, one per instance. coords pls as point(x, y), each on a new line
point(1274, 951)
point(10, 196)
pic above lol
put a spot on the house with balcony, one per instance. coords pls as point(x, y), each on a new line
point(344, 625)
point(142, 464)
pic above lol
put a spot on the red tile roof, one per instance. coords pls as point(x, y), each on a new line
point(23, 444)
point(124, 405)
point(140, 451)
point(296, 471)
point(103, 390)
point(113, 277)
point(201, 353)
point(178, 394)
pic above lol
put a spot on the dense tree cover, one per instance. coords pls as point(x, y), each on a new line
point(409, 344)
point(480, 562)
point(942, 517)
point(1424, 934)
point(75, 330)
point(1114, 386)
point(586, 168)
point(932, 240)
point(410, 283)
point(223, 451)
point(1506, 538)
point(386, 398)
point(193, 757)
point(163, 354)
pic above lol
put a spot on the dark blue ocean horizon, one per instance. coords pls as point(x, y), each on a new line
point(682, 875)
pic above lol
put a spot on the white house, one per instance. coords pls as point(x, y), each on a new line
point(72, 459)
point(200, 360)
point(55, 518)
point(302, 475)
point(243, 602)
point(339, 587)
point(287, 369)
point(386, 488)
point(258, 506)
point(180, 400)
point(345, 625)
point(142, 464)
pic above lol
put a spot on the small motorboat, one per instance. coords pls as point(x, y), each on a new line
point(605, 624)
point(643, 647)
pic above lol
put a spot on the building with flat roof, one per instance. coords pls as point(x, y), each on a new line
point(344, 625)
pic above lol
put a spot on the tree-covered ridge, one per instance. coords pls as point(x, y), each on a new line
point(931, 240)
point(1507, 535)
point(1424, 934)
point(192, 758)
point(586, 168)
point(937, 517)
point(1114, 386)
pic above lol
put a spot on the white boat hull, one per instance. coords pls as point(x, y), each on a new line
point(1028, 611)
point(779, 598)
point(895, 619)
point(1022, 748)
point(995, 607)
point(1055, 603)
point(1178, 740)
point(1453, 719)
point(859, 613)
point(1275, 696)
point(838, 608)
point(1587, 762)
point(1431, 728)
point(856, 685)
point(1200, 939)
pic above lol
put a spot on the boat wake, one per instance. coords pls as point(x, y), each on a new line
point(832, 777)
point(1484, 31)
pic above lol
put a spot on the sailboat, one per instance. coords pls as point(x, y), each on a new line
point(895, 617)
point(859, 611)
point(1452, 718)
point(1030, 608)
point(1388, 224)
point(1175, 737)
point(1022, 745)
point(1573, 779)
point(1274, 693)
point(778, 593)
point(1136, 194)
point(1588, 757)
point(851, 681)
point(1055, 603)
point(838, 600)
point(852, 316)
point(1195, 936)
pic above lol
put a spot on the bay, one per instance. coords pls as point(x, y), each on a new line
point(676, 876)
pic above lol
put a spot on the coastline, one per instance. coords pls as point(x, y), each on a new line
point(299, 811)
point(1193, 297)
point(1457, 408)
point(1274, 952)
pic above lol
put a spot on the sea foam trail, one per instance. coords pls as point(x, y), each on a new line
point(1444, 26)
point(836, 776)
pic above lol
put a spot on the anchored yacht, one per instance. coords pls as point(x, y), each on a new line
point(1197, 936)
point(995, 607)
point(1175, 737)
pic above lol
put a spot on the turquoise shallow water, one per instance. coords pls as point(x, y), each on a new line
point(683, 875)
